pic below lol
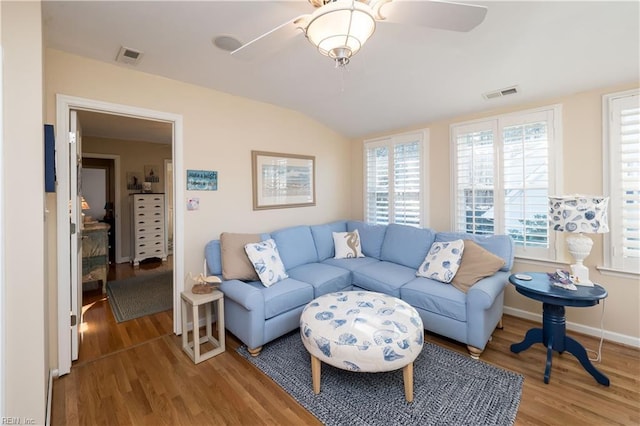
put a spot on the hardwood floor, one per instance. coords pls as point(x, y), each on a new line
point(101, 335)
point(136, 373)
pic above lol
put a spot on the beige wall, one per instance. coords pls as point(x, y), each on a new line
point(24, 357)
point(220, 131)
point(134, 155)
point(582, 173)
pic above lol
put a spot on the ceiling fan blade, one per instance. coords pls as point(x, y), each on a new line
point(435, 14)
point(271, 41)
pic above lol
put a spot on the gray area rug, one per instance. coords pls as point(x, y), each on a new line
point(139, 296)
point(449, 388)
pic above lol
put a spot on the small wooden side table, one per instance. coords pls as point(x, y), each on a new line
point(192, 348)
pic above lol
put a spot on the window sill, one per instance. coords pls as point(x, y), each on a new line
point(557, 264)
point(617, 272)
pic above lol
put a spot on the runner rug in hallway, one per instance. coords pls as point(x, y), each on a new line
point(142, 295)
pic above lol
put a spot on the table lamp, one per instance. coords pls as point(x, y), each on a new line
point(84, 205)
point(579, 215)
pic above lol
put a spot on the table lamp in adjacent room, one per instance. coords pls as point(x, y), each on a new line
point(85, 206)
point(579, 215)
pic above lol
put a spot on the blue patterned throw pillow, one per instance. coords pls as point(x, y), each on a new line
point(266, 261)
point(442, 261)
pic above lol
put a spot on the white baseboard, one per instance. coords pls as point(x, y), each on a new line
point(201, 323)
point(580, 328)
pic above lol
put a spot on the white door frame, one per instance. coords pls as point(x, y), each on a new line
point(118, 210)
point(64, 104)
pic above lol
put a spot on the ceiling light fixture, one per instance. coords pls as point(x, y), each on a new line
point(340, 29)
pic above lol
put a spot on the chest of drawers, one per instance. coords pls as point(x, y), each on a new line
point(148, 227)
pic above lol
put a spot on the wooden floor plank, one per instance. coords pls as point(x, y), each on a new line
point(136, 373)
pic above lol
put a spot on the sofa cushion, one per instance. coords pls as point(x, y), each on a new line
point(351, 264)
point(477, 263)
point(296, 246)
point(285, 295)
point(384, 277)
point(324, 278)
point(500, 245)
point(406, 245)
point(442, 261)
point(266, 261)
point(347, 245)
point(371, 237)
point(323, 238)
point(235, 262)
point(213, 258)
point(434, 296)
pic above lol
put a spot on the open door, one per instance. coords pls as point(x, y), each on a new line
point(75, 195)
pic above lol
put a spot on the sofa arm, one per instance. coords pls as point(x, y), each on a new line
point(483, 293)
point(243, 294)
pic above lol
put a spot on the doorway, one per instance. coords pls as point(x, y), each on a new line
point(98, 189)
point(66, 286)
point(113, 320)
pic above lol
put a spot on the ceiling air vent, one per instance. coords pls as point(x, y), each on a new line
point(128, 56)
point(502, 92)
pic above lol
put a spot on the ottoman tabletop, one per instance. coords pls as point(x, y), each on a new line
point(362, 331)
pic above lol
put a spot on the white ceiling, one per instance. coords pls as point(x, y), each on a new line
point(404, 75)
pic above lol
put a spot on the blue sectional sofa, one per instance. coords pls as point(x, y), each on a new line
point(256, 314)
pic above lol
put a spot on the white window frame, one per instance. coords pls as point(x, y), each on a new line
point(613, 262)
point(390, 142)
point(496, 124)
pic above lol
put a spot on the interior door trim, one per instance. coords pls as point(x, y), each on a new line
point(64, 104)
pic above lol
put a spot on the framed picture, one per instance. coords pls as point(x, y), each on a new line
point(202, 180)
point(283, 180)
point(151, 174)
point(134, 181)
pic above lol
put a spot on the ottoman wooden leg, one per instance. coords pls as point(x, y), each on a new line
point(315, 374)
point(407, 375)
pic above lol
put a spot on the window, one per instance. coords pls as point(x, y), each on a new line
point(503, 171)
point(394, 180)
point(621, 132)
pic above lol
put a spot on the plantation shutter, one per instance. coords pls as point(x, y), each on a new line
point(503, 174)
point(407, 183)
point(393, 180)
point(624, 207)
point(377, 182)
point(525, 180)
point(474, 179)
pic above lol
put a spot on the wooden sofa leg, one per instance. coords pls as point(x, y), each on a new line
point(255, 351)
point(474, 352)
point(500, 325)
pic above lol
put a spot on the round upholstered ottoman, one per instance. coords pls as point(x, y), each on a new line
point(362, 331)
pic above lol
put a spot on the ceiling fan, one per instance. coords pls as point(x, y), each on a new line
point(339, 28)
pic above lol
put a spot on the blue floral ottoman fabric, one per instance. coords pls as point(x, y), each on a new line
point(362, 331)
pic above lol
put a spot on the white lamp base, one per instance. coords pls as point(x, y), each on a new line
point(580, 246)
point(581, 272)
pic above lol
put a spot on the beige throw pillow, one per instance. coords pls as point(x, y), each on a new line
point(477, 263)
point(235, 263)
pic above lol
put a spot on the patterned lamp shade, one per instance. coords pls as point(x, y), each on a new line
point(579, 214)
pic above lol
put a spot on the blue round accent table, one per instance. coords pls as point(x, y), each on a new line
point(553, 332)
